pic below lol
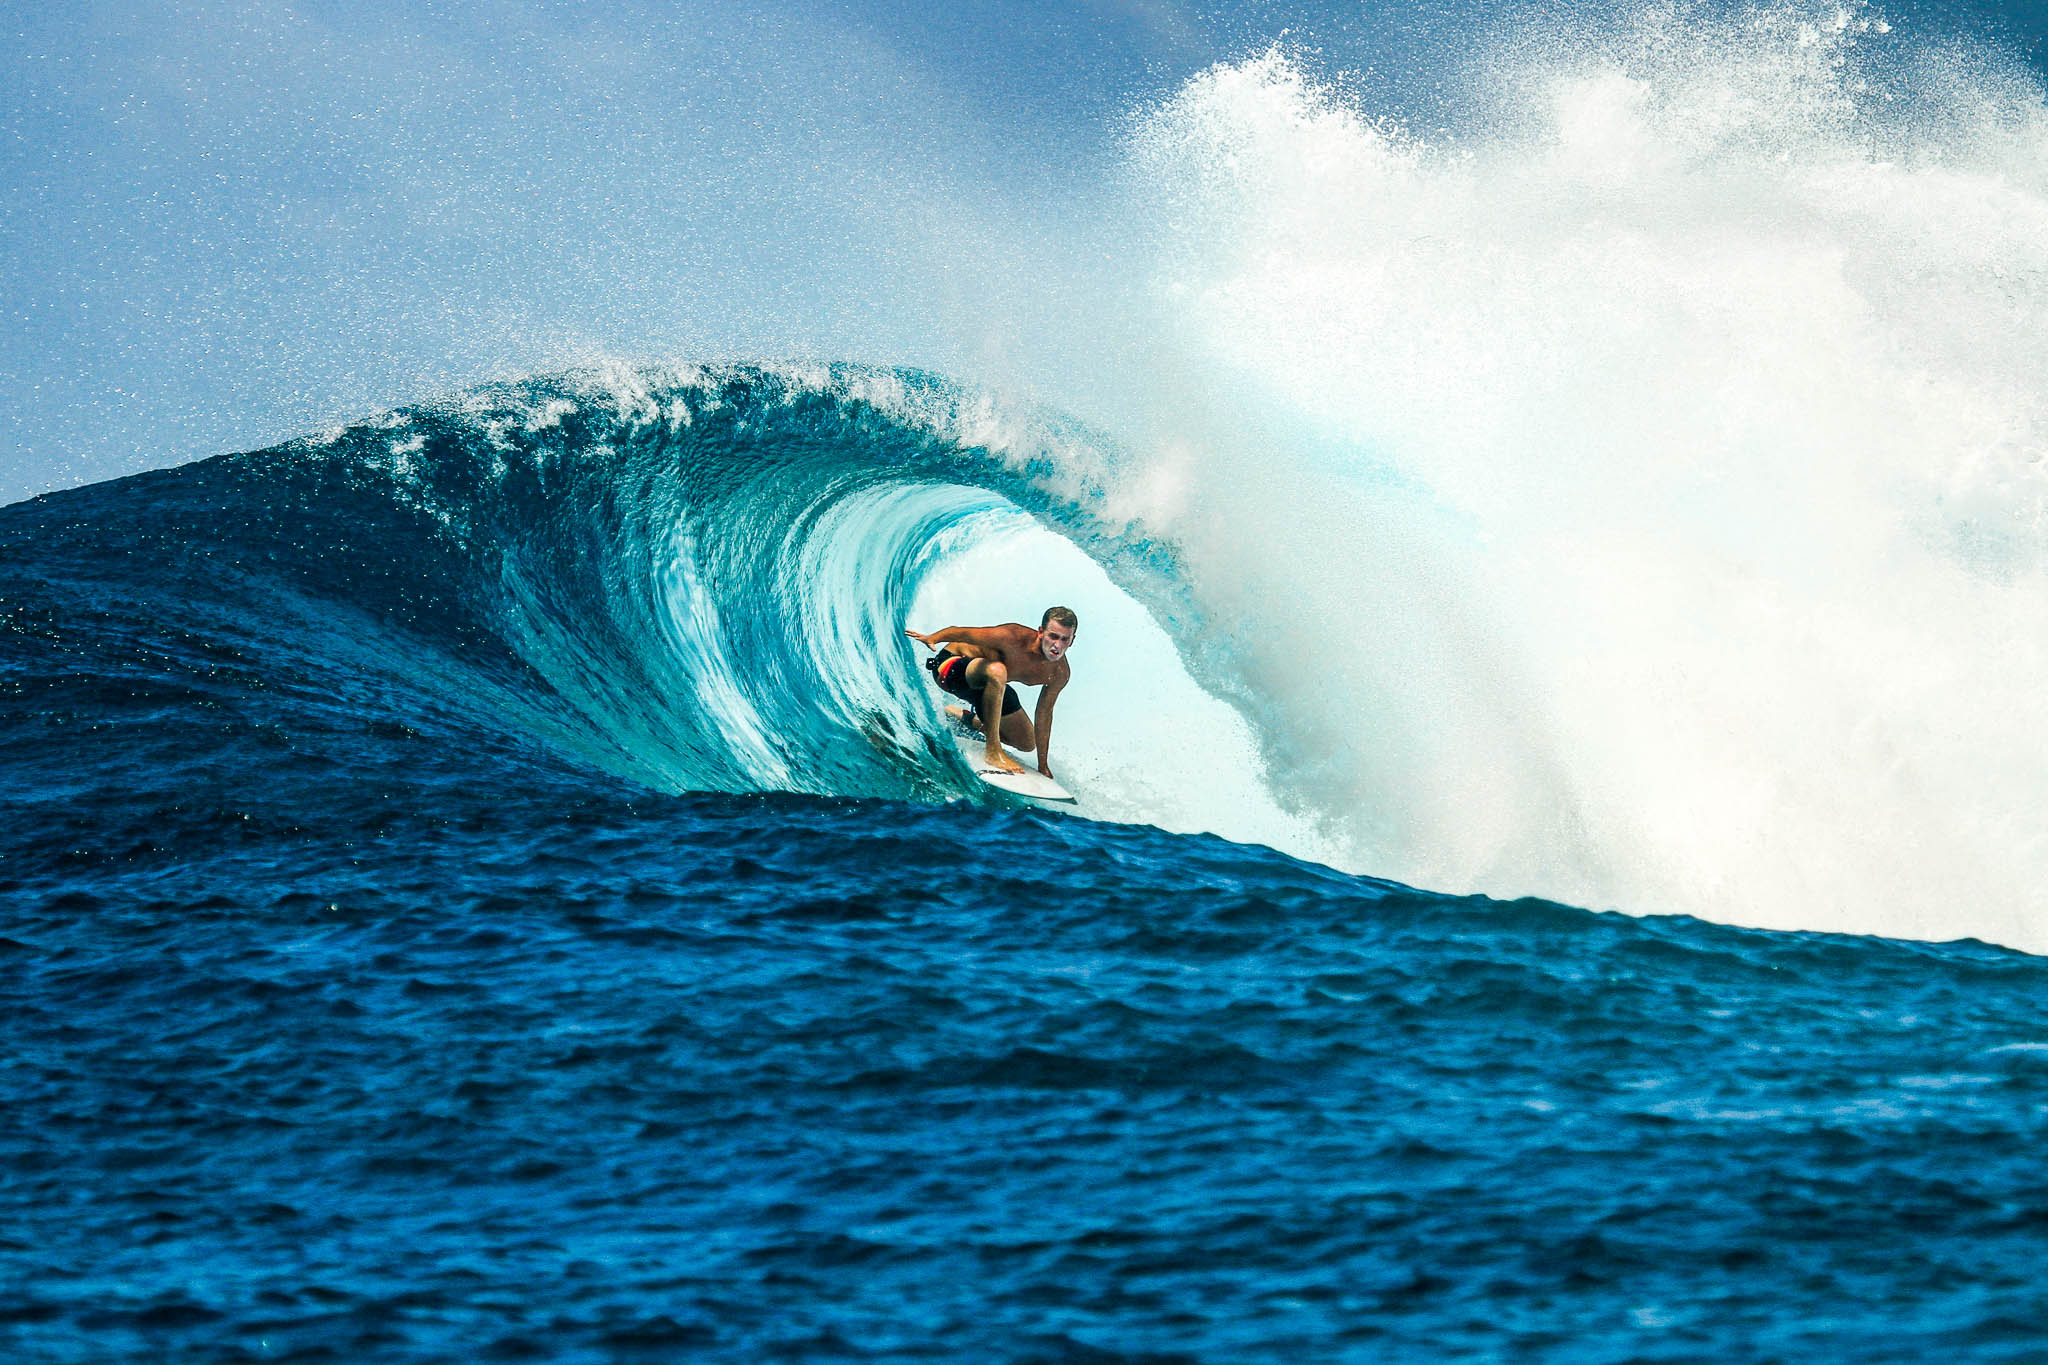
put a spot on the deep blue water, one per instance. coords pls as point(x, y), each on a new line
point(408, 957)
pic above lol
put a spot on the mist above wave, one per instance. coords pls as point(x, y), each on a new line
point(1634, 494)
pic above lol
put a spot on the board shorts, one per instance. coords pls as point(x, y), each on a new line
point(949, 670)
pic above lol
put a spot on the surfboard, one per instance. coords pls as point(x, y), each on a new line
point(1030, 784)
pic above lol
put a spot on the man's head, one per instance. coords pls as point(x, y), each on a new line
point(1056, 631)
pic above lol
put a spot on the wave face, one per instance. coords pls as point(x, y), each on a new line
point(692, 580)
point(696, 580)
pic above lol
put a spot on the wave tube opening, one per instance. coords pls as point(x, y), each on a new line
point(701, 580)
point(1135, 737)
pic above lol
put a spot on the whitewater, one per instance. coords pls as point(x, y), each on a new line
point(1640, 503)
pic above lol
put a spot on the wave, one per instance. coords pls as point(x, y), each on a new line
point(1627, 489)
point(695, 579)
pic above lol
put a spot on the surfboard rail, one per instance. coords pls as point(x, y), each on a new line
point(1030, 784)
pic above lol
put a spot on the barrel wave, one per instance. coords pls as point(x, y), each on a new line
point(696, 579)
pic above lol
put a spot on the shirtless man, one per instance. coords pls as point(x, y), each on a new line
point(978, 665)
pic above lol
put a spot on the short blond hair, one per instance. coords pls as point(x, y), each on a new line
point(1064, 615)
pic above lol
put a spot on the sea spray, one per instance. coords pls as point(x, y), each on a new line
point(1635, 493)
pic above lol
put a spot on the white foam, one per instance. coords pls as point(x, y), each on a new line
point(1639, 497)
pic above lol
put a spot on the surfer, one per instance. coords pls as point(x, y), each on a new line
point(979, 664)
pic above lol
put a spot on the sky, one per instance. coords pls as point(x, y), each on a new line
point(228, 224)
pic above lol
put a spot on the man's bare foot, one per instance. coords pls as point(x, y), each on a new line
point(1002, 762)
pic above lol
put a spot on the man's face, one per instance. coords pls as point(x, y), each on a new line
point(1053, 639)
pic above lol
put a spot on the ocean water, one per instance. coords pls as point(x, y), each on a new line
point(456, 909)
point(1560, 533)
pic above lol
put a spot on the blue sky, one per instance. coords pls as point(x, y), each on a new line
point(244, 221)
point(229, 223)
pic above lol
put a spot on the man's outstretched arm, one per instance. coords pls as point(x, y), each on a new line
point(984, 636)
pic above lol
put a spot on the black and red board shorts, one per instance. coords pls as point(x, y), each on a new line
point(949, 670)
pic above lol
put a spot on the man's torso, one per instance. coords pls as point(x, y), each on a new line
point(1026, 664)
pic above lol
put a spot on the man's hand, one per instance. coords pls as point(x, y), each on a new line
point(924, 640)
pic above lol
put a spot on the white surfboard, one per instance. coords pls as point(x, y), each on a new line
point(1030, 783)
